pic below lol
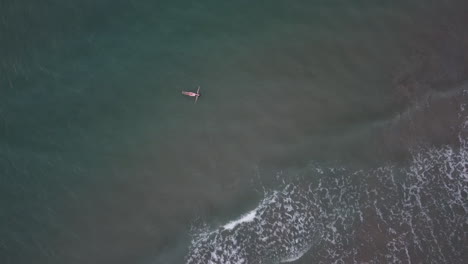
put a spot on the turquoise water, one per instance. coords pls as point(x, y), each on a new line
point(102, 160)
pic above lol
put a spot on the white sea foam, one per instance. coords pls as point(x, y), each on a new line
point(245, 218)
point(415, 214)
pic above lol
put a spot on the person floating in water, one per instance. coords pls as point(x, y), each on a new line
point(192, 94)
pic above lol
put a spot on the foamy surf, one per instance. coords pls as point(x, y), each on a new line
point(249, 239)
point(414, 214)
point(245, 218)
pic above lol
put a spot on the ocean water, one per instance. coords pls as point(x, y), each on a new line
point(328, 132)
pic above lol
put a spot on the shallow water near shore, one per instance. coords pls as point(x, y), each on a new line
point(327, 131)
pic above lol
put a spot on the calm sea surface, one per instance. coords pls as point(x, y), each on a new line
point(327, 132)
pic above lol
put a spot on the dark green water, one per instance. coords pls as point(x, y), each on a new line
point(102, 160)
